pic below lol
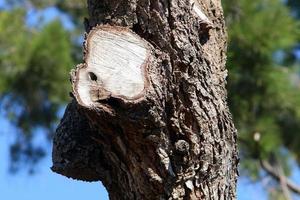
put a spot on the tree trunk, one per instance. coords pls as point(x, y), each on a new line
point(149, 116)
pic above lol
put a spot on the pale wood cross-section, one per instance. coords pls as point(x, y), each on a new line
point(115, 63)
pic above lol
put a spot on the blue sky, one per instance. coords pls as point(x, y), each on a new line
point(44, 184)
point(47, 15)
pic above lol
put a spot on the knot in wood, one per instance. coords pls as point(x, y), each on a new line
point(182, 147)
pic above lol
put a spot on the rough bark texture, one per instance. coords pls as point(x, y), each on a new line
point(177, 141)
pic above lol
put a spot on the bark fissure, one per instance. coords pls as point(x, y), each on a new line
point(177, 141)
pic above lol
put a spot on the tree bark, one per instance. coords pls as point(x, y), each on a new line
point(167, 135)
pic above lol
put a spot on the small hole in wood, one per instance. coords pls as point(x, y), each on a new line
point(92, 76)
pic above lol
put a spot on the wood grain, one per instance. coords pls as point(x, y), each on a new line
point(115, 63)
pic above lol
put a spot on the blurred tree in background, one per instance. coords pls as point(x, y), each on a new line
point(263, 84)
point(34, 64)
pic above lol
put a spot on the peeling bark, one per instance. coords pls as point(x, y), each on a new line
point(175, 139)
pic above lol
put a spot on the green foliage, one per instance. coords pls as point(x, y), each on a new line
point(12, 57)
point(34, 83)
point(276, 194)
point(264, 95)
point(76, 9)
